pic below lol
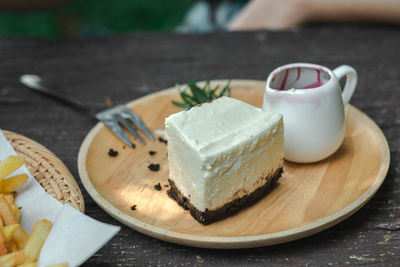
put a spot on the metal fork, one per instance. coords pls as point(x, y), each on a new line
point(112, 117)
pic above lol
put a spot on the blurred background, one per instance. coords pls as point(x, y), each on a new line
point(94, 18)
point(61, 18)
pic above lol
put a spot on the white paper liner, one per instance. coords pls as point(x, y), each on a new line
point(74, 236)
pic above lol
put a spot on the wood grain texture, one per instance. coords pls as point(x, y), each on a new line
point(309, 197)
point(130, 66)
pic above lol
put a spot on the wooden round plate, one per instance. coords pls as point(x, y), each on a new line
point(308, 199)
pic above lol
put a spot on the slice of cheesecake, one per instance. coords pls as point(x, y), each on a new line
point(223, 156)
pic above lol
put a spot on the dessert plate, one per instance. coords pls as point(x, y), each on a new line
point(308, 198)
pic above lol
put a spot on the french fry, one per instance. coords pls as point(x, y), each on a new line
point(8, 231)
point(16, 247)
point(3, 245)
point(16, 212)
point(20, 237)
point(32, 264)
point(12, 259)
point(59, 265)
point(14, 208)
point(9, 197)
point(5, 212)
point(36, 240)
point(12, 245)
point(10, 164)
point(11, 184)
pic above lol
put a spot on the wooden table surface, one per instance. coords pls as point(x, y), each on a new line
point(126, 67)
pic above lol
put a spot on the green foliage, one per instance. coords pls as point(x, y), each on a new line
point(193, 94)
point(96, 18)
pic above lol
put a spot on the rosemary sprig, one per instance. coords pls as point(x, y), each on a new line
point(193, 94)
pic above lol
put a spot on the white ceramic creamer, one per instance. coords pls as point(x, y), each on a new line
point(312, 104)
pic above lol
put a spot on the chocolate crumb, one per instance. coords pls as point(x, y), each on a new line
point(166, 185)
point(112, 153)
point(158, 187)
point(162, 140)
point(123, 147)
point(152, 152)
point(109, 102)
point(154, 167)
point(133, 207)
point(133, 145)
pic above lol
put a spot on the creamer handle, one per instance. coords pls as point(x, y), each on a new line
point(351, 81)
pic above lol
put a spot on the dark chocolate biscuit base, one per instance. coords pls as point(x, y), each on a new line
point(210, 216)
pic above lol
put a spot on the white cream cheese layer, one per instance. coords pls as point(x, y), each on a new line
point(221, 150)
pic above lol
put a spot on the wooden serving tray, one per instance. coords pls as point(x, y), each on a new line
point(308, 199)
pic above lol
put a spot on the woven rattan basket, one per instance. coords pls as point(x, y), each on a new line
point(48, 170)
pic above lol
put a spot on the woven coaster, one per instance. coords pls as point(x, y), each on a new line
point(48, 170)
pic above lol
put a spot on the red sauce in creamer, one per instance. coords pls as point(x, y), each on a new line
point(315, 84)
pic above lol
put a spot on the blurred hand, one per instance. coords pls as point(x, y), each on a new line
point(270, 14)
point(284, 14)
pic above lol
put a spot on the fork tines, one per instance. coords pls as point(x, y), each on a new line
point(122, 115)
